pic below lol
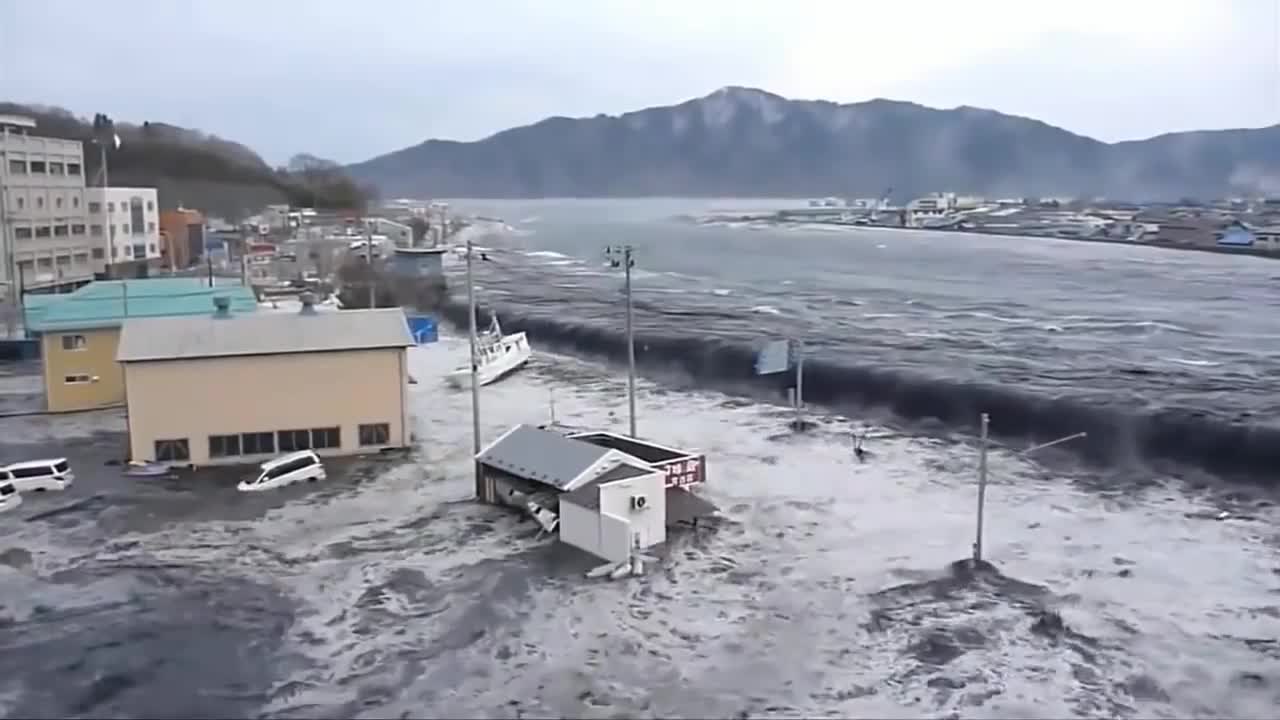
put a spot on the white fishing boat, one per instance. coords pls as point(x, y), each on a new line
point(497, 356)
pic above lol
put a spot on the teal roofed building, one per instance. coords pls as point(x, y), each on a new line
point(79, 331)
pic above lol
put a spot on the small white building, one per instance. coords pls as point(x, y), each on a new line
point(597, 498)
point(124, 224)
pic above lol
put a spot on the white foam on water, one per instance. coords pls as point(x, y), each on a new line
point(770, 610)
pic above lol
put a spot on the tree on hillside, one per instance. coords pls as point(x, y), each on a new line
point(154, 152)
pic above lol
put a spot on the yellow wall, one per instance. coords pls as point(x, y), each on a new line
point(97, 359)
point(193, 399)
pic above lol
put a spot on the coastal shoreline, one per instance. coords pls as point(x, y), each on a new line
point(1249, 252)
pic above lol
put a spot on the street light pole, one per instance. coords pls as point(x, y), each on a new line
point(109, 235)
point(627, 261)
point(475, 381)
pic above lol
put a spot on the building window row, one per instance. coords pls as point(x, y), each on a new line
point(267, 443)
point(40, 167)
point(44, 231)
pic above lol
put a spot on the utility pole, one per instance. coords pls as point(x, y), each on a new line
point(982, 486)
point(369, 265)
point(984, 441)
point(481, 489)
point(623, 255)
point(799, 350)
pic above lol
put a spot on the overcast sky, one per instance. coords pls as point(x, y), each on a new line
point(349, 79)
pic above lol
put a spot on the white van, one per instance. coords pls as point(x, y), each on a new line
point(39, 475)
point(10, 498)
point(285, 470)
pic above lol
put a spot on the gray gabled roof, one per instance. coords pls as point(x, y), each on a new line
point(176, 338)
point(541, 455)
point(588, 496)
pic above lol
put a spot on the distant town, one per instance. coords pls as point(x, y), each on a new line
point(1241, 225)
point(61, 229)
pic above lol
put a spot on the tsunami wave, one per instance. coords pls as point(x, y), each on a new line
point(1240, 451)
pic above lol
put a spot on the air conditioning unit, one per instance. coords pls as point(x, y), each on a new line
point(639, 502)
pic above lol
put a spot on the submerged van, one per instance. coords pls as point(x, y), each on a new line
point(285, 470)
point(10, 498)
point(38, 475)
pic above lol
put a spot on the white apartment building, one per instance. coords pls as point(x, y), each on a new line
point(44, 234)
point(124, 224)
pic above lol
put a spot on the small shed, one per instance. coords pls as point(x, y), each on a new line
point(588, 488)
point(623, 509)
point(529, 459)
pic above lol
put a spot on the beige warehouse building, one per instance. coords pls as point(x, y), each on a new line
point(227, 389)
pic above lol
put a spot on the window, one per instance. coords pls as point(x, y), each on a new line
point(95, 230)
point(115, 251)
point(173, 450)
point(128, 252)
point(111, 207)
point(75, 201)
point(18, 167)
point(77, 379)
point(60, 230)
point(55, 168)
point(57, 202)
point(224, 446)
point(73, 342)
point(322, 438)
point(81, 258)
point(77, 229)
point(152, 206)
point(258, 443)
point(135, 214)
point(95, 207)
point(37, 167)
point(99, 253)
point(73, 168)
point(21, 202)
point(375, 434)
point(22, 233)
point(39, 203)
point(290, 440)
point(64, 260)
point(124, 229)
point(44, 263)
point(151, 227)
point(140, 250)
point(153, 248)
point(113, 231)
point(43, 231)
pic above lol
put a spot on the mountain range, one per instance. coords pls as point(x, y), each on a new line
point(747, 142)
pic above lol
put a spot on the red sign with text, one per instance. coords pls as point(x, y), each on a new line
point(685, 472)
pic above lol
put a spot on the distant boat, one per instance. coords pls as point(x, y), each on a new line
point(498, 355)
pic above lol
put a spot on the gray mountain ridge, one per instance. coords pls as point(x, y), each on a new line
point(747, 142)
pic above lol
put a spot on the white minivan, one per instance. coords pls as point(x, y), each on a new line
point(10, 498)
point(285, 470)
point(39, 475)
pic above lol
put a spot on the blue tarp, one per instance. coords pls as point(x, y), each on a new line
point(423, 328)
